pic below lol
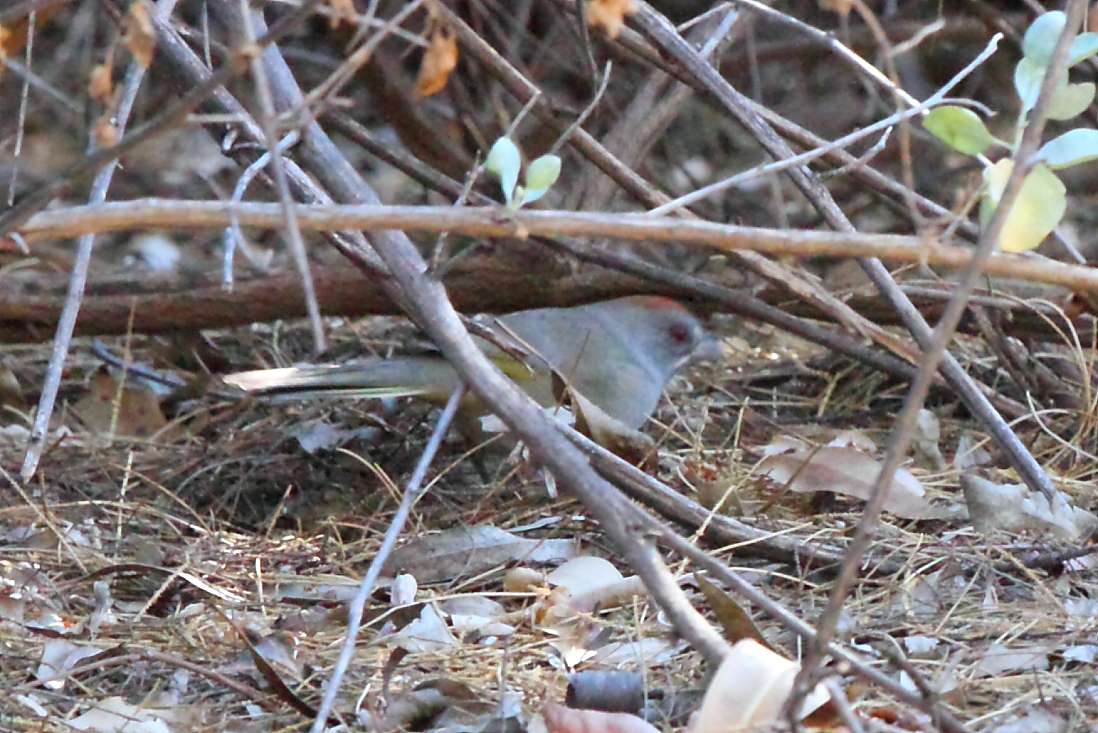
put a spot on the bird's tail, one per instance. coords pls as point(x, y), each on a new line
point(430, 377)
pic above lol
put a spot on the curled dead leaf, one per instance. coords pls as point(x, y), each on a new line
point(850, 472)
point(139, 36)
point(439, 60)
point(749, 691)
point(522, 580)
point(100, 86)
point(615, 436)
point(610, 14)
point(342, 10)
point(1014, 508)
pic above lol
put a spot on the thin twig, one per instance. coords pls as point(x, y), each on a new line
point(25, 8)
point(426, 303)
point(904, 431)
point(285, 200)
point(920, 108)
point(21, 124)
point(843, 706)
point(412, 494)
point(485, 221)
point(665, 36)
point(234, 236)
point(170, 118)
point(778, 612)
point(722, 530)
point(79, 276)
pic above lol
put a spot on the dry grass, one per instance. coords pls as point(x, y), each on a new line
point(238, 521)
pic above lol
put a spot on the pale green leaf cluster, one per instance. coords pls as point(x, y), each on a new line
point(505, 161)
point(1042, 200)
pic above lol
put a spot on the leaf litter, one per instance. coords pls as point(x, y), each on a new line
point(164, 531)
point(466, 614)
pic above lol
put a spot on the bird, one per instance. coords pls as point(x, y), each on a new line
point(618, 354)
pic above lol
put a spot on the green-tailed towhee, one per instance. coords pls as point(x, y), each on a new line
point(618, 354)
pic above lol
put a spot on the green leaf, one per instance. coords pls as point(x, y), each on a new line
point(1028, 76)
point(505, 161)
point(959, 128)
point(1042, 35)
point(1070, 100)
point(1038, 209)
point(1084, 46)
point(1071, 148)
point(541, 174)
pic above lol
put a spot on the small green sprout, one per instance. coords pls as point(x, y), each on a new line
point(505, 161)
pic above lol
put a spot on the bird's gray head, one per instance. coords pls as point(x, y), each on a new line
point(666, 333)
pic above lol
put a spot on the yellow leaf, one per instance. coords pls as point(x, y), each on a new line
point(1040, 205)
point(440, 59)
point(610, 14)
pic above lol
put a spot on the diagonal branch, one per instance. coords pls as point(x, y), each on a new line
point(664, 35)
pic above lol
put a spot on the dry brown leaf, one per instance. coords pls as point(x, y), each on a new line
point(623, 441)
point(114, 715)
point(610, 14)
point(615, 436)
point(139, 36)
point(100, 85)
point(522, 580)
point(5, 39)
point(735, 622)
point(468, 551)
point(850, 472)
point(439, 60)
point(138, 409)
point(342, 10)
point(1014, 508)
point(559, 719)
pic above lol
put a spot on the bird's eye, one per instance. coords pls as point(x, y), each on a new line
point(679, 333)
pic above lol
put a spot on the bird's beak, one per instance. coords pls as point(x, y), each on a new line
point(709, 349)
